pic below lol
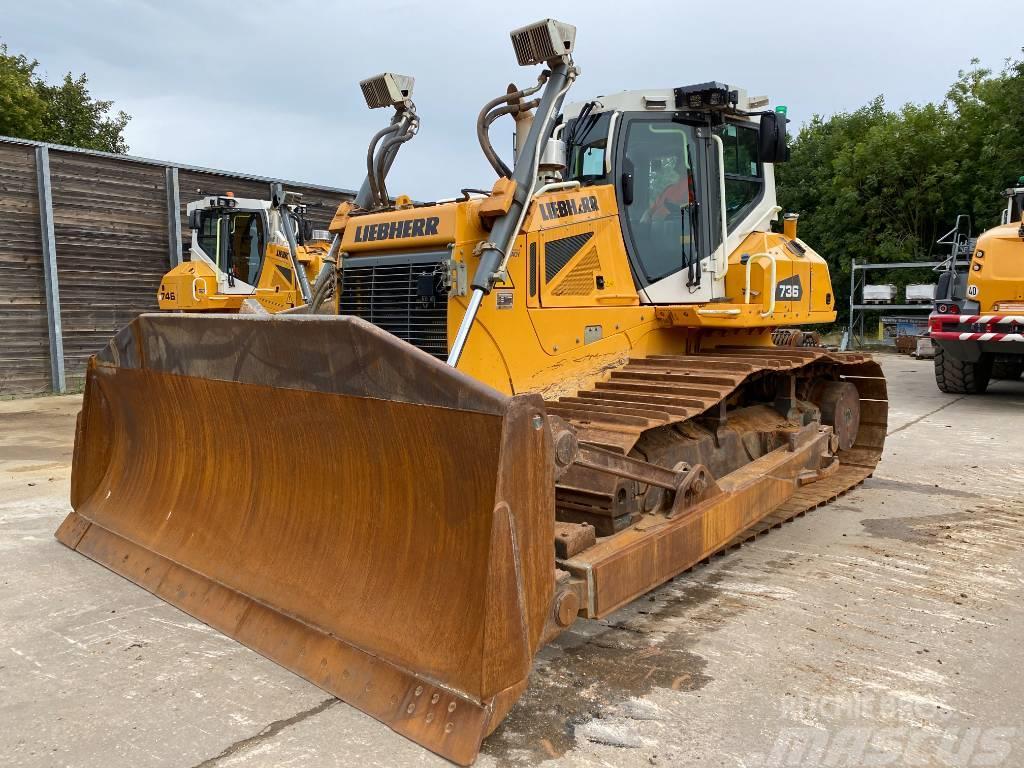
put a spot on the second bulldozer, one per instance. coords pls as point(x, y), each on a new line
point(535, 404)
point(244, 249)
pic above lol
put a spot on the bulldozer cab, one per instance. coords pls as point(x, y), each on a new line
point(233, 240)
point(684, 182)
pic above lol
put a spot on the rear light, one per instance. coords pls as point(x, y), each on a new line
point(947, 309)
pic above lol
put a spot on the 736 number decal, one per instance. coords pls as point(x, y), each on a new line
point(789, 289)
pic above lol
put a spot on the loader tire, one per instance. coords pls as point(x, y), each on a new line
point(957, 377)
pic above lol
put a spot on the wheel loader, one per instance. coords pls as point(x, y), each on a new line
point(262, 250)
point(533, 405)
point(977, 325)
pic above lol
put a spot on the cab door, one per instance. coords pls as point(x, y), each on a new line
point(235, 242)
point(669, 206)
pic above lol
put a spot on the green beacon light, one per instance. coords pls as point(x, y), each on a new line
point(781, 110)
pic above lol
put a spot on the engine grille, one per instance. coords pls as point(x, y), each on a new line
point(391, 292)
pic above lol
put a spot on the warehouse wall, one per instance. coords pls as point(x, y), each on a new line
point(110, 223)
point(112, 242)
point(24, 342)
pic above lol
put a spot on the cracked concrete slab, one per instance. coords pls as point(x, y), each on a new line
point(882, 628)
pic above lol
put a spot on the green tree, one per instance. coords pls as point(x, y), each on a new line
point(22, 108)
point(66, 113)
point(990, 108)
point(882, 186)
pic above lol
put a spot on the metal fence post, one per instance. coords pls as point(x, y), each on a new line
point(58, 381)
point(853, 290)
point(173, 217)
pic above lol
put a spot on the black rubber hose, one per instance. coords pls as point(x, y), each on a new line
point(482, 124)
point(323, 288)
point(391, 145)
point(370, 168)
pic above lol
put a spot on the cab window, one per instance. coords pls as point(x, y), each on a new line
point(586, 144)
point(208, 234)
point(744, 181)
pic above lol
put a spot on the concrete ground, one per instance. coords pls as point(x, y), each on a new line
point(885, 629)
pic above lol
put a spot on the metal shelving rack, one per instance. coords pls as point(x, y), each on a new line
point(857, 311)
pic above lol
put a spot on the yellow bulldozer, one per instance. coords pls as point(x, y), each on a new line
point(244, 249)
point(533, 404)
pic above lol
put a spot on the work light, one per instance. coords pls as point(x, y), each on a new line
point(386, 90)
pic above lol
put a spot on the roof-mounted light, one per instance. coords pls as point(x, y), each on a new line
point(386, 90)
point(543, 41)
point(706, 96)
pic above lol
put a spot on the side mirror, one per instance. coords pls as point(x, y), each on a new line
point(771, 139)
point(627, 183)
point(195, 219)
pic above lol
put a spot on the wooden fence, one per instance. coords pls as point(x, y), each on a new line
point(84, 239)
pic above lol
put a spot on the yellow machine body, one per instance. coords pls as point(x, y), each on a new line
point(996, 276)
point(192, 286)
point(553, 336)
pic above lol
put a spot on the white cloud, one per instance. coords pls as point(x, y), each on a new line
point(271, 88)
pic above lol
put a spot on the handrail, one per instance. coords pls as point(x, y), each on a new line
point(195, 296)
point(774, 274)
point(709, 311)
point(609, 141)
point(721, 197)
point(554, 186)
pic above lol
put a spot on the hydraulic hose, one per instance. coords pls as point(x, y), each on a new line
point(386, 155)
point(370, 165)
point(483, 124)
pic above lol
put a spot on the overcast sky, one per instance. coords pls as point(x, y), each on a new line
point(241, 86)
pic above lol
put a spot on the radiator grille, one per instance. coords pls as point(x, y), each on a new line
point(389, 294)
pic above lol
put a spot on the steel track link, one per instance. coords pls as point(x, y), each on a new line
point(659, 391)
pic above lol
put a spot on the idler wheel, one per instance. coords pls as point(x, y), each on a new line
point(840, 409)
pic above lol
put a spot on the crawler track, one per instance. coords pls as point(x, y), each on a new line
point(662, 392)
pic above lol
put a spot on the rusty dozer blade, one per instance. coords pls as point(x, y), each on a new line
point(333, 498)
